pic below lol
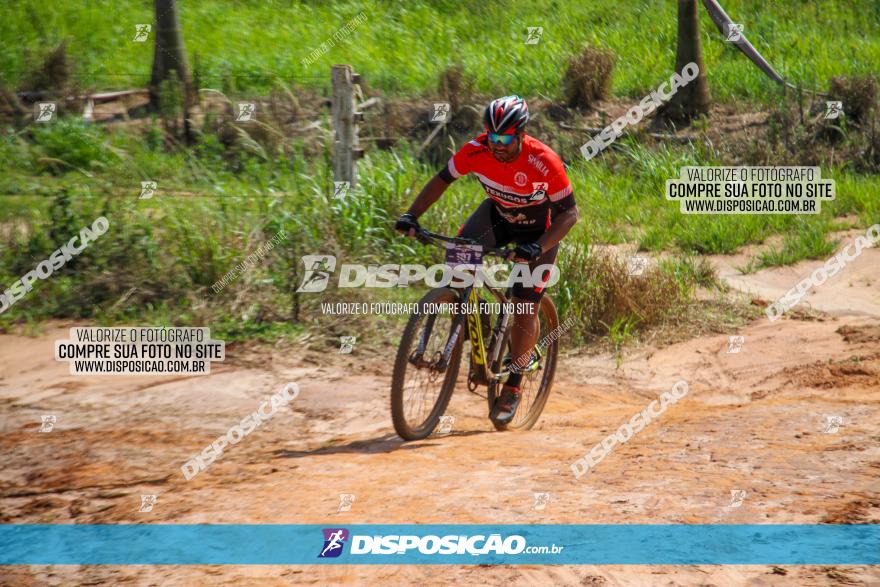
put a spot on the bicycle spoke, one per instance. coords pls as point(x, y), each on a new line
point(536, 380)
point(423, 383)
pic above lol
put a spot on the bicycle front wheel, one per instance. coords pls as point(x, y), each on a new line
point(422, 383)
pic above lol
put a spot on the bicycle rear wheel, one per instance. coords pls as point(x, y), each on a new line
point(422, 385)
point(536, 384)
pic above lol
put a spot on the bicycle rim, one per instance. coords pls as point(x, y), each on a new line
point(420, 392)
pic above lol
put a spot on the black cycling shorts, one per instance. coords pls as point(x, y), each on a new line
point(487, 227)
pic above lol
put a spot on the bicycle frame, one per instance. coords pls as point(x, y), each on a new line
point(491, 358)
point(484, 354)
point(480, 359)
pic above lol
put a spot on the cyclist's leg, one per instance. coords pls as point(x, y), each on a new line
point(523, 333)
point(526, 327)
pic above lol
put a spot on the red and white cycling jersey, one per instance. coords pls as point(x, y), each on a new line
point(528, 192)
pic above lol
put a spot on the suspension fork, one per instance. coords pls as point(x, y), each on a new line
point(457, 325)
point(500, 336)
point(425, 335)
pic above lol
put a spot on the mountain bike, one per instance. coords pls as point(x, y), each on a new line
point(429, 356)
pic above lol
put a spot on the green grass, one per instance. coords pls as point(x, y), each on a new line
point(160, 257)
point(402, 47)
point(809, 242)
point(215, 206)
point(623, 199)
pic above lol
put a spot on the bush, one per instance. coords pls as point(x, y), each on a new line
point(597, 286)
point(588, 78)
point(68, 143)
point(858, 94)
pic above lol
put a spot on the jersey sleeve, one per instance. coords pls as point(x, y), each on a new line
point(559, 190)
point(462, 162)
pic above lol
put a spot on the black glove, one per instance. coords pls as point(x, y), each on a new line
point(528, 251)
point(406, 223)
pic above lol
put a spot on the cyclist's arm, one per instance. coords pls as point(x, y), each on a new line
point(559, 228)
point(430, 193)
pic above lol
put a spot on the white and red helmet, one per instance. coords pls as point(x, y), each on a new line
point(506, 115)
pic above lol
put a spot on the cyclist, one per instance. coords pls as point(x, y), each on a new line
point(530, 203)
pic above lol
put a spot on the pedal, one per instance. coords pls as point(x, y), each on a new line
point(533, 366)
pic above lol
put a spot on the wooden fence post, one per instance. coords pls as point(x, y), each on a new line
point(345, 144)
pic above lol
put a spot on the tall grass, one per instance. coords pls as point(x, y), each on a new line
point(161, 255)
point(216, 204)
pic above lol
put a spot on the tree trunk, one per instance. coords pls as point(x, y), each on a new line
point(170, 54)
point(693, 99)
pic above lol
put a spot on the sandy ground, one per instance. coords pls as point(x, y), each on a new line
point(754, 421)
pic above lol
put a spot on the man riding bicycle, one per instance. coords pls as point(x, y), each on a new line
point(530, 203)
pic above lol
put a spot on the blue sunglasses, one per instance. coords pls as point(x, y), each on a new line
point(501, 139)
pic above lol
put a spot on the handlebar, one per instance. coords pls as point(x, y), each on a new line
point(431, 238)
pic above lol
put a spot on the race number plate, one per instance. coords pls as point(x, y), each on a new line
point(469, 255)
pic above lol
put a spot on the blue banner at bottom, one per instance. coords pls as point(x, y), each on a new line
point(171, 544)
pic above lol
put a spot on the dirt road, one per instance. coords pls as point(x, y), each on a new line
point(792, 420)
